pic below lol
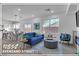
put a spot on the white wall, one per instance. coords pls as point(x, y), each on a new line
point(67, 24)
point(23, 22)
point(31, 21)
point(7, 24)
point(0, 18)
point(0, 24)
point(77, 10)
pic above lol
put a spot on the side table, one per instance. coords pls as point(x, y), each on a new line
point(24, 41)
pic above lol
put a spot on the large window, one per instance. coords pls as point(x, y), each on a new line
point(50, 26)
point(16, 26)
point(28, 28)
point(8, 28)
point(49, 22)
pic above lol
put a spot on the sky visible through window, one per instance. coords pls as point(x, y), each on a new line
point(50, 22)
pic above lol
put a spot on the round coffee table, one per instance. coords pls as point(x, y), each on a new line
point(52, 44)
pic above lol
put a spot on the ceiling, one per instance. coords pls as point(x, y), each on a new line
point(29, 11)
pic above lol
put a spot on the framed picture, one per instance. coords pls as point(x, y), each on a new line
point(36, 26)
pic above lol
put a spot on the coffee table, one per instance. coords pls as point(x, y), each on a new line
point(51, 43)
point(24, 41)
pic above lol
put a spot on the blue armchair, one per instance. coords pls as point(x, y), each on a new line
point(77, 40)
point(65, 37)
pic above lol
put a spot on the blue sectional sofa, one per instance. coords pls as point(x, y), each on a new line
point(33, 38)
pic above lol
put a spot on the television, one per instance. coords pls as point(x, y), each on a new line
point(77, 18)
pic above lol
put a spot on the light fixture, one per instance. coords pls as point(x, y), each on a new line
point(19, 9)
point(52, 11)
point(49, 10)
point(33, 15)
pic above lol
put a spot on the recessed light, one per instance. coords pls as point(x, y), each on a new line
point(33, 15)
point(19, 9)
point(52, 11)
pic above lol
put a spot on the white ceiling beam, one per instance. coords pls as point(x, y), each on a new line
point(67, 9)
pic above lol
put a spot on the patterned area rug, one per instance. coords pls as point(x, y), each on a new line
point(13, 44)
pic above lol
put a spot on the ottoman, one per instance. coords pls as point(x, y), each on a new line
point(52, 44)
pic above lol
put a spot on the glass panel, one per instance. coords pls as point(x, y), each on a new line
point(28, 28)
point(50, 22)
point(25, 25)
point(51, 26)
point(17, 26)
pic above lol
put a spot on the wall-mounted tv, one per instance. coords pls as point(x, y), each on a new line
point(77, 18)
